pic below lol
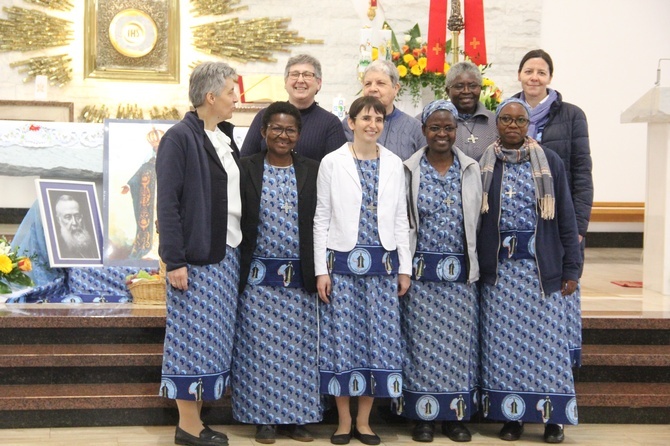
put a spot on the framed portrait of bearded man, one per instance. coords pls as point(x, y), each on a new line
point(129, 190)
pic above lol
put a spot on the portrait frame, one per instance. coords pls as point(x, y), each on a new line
point(44, 111)
point(157, 21)
point(48, 194)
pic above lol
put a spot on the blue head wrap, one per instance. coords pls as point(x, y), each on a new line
point(512, 101)
point(440, 104)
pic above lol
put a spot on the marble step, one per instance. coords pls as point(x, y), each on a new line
point(81, 355)
point(626, 355)
point(623, 394)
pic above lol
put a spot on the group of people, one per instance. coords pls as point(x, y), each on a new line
point(432, 261)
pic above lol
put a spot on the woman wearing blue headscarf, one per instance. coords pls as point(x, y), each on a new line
point(529, 262)
point(440, 315)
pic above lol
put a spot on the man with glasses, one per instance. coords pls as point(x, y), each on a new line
point(321, 131)
point(476, 125)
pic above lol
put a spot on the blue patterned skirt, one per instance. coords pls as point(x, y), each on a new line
point(526, 367)
point(360, 343)
point(199, 331)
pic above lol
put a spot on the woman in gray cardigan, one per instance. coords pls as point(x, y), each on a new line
point(440, 313)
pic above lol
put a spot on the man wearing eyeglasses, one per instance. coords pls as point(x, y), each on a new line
point(321, 131)
point(476, 125)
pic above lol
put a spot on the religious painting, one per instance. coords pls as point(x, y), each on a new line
point(129, 174)
point(72, 223)
point(135, 40)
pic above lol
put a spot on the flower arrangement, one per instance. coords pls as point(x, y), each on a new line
point(491, 95)
point(411, 60)
point(13, 268)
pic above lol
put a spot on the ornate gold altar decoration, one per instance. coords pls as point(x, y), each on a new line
point(255, 39)
point(29, 30)
point(95, 114)
point(135, 40)
point(56, 68)
point(455, 25)
point(61, 5)
point(216, 7)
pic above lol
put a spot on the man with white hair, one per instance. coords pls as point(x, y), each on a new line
point(74, 239)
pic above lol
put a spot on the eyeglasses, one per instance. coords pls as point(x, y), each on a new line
point(462, 87)
point(437, 129)
point(277, 131)
point(507, 120)
point(307, 75)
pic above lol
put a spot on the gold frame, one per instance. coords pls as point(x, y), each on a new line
point(48, 111)
point(103, 61)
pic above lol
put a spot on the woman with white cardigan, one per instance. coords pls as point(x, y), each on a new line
point(362, 263)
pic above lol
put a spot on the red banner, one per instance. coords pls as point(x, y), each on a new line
point(475, 36)
point(437, 35)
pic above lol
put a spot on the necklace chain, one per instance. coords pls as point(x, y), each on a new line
point(371, 191)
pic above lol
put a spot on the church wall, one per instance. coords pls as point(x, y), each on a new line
point(593, 44)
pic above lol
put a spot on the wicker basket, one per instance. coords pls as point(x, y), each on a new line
point(148, 291)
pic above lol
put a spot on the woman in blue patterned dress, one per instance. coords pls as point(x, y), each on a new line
point(529, 262)
point(362, 263)
point(199, 211)
point(440, 314)
point(275, 375)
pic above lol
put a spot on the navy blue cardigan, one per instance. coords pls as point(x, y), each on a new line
point(192, 195)
point(556, 242)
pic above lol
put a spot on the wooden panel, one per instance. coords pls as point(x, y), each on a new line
point(617, 212)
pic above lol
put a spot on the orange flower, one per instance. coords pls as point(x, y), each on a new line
point(25, 264)
point(405, 49)
point(416, 52)
point(395, 55)
point(412, 62)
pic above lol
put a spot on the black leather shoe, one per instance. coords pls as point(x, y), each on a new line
point(297, 432)
point(553, 433)
point(340, 438)
point(456, 431)
point(207, 437)
point(266, 433)
point(423, 432)
point(511, 431)
point(367, 438)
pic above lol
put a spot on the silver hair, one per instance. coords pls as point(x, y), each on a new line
point(303, 59)
point(385, 66)
point(462, 68)
point(208, 77)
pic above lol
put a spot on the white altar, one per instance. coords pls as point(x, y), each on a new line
point(654, 109)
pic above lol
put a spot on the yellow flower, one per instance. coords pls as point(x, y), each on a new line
point(5, 264)
point(447, 67)
point(402, 70)
point(375, 53)
point(423, 62)
point(416, 70)
point(408, 58)
point(487, 82)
